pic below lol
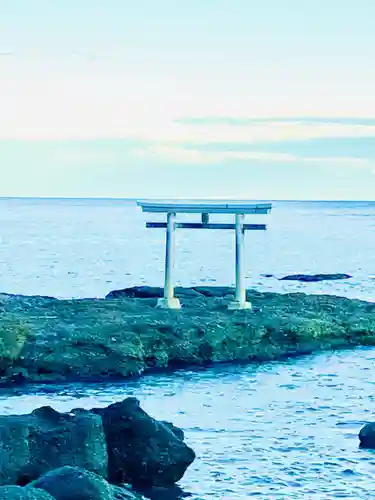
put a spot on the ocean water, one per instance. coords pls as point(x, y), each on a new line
point(280, 430)
point(85, 248)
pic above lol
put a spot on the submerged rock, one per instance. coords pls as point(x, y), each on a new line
point(313, 278)
point(367, 436)
point(142, 450)
point(31, 445)
point(74, 483)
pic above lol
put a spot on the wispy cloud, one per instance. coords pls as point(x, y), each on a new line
point(181, 155)
point(258, 131)
point(241, 121)
point(164, 131)
point(195, 156)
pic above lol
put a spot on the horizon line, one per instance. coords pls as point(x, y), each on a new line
point(116, 198)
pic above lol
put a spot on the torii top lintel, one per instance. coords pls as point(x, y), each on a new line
point(210, 207)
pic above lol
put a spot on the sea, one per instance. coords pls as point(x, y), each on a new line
point(279, 430)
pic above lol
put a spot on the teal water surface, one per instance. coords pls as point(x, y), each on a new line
point(85, 248)
point(281, 430)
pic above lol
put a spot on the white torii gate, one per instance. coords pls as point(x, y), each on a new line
point(239, 210)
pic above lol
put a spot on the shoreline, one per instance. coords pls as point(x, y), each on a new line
point(123, 336)
point(47, 387)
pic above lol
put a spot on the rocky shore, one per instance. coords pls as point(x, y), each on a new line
point(99, 454)
point(44, 339)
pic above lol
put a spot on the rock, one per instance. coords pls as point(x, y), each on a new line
point(151, 292)
point(97, 339)
point(176, 430)
point(121, 439)
point(214, 291)
point(74, 483)
point(31, 445)
point(141, 450)
point(19, 493)
point(367, 436)
point(139, 292)
point(313, 278)
point(165, 493)
point(13, 334)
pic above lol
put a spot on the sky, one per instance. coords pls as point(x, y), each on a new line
point(250, 99)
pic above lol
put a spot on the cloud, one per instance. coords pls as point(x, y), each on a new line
point(241, 121)
point(142, 127)
point(196, 156)
point(181, 155)
point(254, 131)
point(84, 102)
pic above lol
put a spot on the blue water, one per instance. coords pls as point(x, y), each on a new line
point(85, 248)
point(280, 430)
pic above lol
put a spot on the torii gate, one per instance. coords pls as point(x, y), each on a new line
point(239, 210)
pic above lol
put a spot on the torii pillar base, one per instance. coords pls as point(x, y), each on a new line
point(238, 305)
point(169, 303)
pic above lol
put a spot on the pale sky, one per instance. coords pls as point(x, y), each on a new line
point(236, 98)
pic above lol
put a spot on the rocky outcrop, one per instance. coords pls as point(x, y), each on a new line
point(314, 278)
point(74, 483)
point(120, 442)
point(33, 444)
point(97, 339)
point(367, 436)
point(20, 493)
point(13, 335)
point(142, 451)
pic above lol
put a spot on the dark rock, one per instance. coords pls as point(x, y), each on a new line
point(74, 483)
point(121, 439)
point(367, 436)
point(142, 450)
point(150, 292)
point(313, 278)
point(188, 293)
point(19, 493)
point(136, 292)
point(165, 493)
point(214, 291)
point(176, 430)
point(34, 444)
